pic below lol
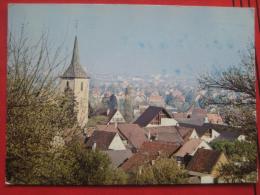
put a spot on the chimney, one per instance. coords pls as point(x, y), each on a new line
point(94, 146)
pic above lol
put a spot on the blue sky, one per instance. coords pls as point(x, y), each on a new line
point(138, 39)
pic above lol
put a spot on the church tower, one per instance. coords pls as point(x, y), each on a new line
point(77, 80)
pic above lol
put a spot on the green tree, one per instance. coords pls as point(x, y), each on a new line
point(242, 160)
point(38, 149)
point(238, 112)
point(240, 81)
point(163, 171)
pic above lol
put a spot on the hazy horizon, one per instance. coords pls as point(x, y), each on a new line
point(142, 39)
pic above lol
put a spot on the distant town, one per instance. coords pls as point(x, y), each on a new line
point(137, 121)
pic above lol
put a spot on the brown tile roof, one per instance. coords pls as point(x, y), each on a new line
point(198, 113)
point(215, 118)
point(189, 147)
point(110, 128)
point(203, 161)
point(166, 133)
point(148, 115)
point(117, 157)
point(185, 132)
point(131, 132)
point(180, 115)
point(201, 129)
point(103, 139)
point(149, 151)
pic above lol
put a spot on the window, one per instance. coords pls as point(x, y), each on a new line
point(81, 86)
point(68, 84)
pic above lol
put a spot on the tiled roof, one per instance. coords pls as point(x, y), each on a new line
point(198, 112)
point(215, 118)
point(75, 70)
point(203, 161)
point(185, 132)
point(117, 157)
point(149, 151)
point(201, 129)
point(228, 135)
point(148, 115)
point(188, 148)
point(131, 132)
point(180, 115)
point(102, 139)
point(166, 133)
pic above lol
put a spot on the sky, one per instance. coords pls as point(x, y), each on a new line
point(142, 39)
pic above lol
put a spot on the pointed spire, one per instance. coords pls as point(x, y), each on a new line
point(75, 55)
point(75, 70)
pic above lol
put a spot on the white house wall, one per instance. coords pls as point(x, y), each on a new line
point(117, 118)
point(117, 144)
point(194, 135)
point(215, 134)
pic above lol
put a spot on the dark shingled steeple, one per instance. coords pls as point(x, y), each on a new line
point(75, 70)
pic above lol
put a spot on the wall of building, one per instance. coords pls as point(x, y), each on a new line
point(206, 179)
point(117, 144)
point(81, 95)
point(209, 139)
point(117, 118)
point(222, 160)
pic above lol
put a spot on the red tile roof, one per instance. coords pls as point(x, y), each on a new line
point(189, 147)
point(102, 139)
point(215, 118)
point(131, 132)
point(149, 151)
point(203, 161)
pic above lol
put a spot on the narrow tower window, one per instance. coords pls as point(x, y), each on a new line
point(68, 85)
point(81, 86)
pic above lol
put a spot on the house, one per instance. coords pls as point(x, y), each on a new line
point(118, 157)
point(214, 118)
point(155, 116)
point(132, 135)
point(148, 153)
point(187, 133)
point(165, 134)
point(207, 131)
point(114, 116)
point(210, 132)
point(174, 134)
point(188, 149)
point(105, 140)
point(156, 100)
point(205, 163)
point(209, 135)
point(231, 136)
